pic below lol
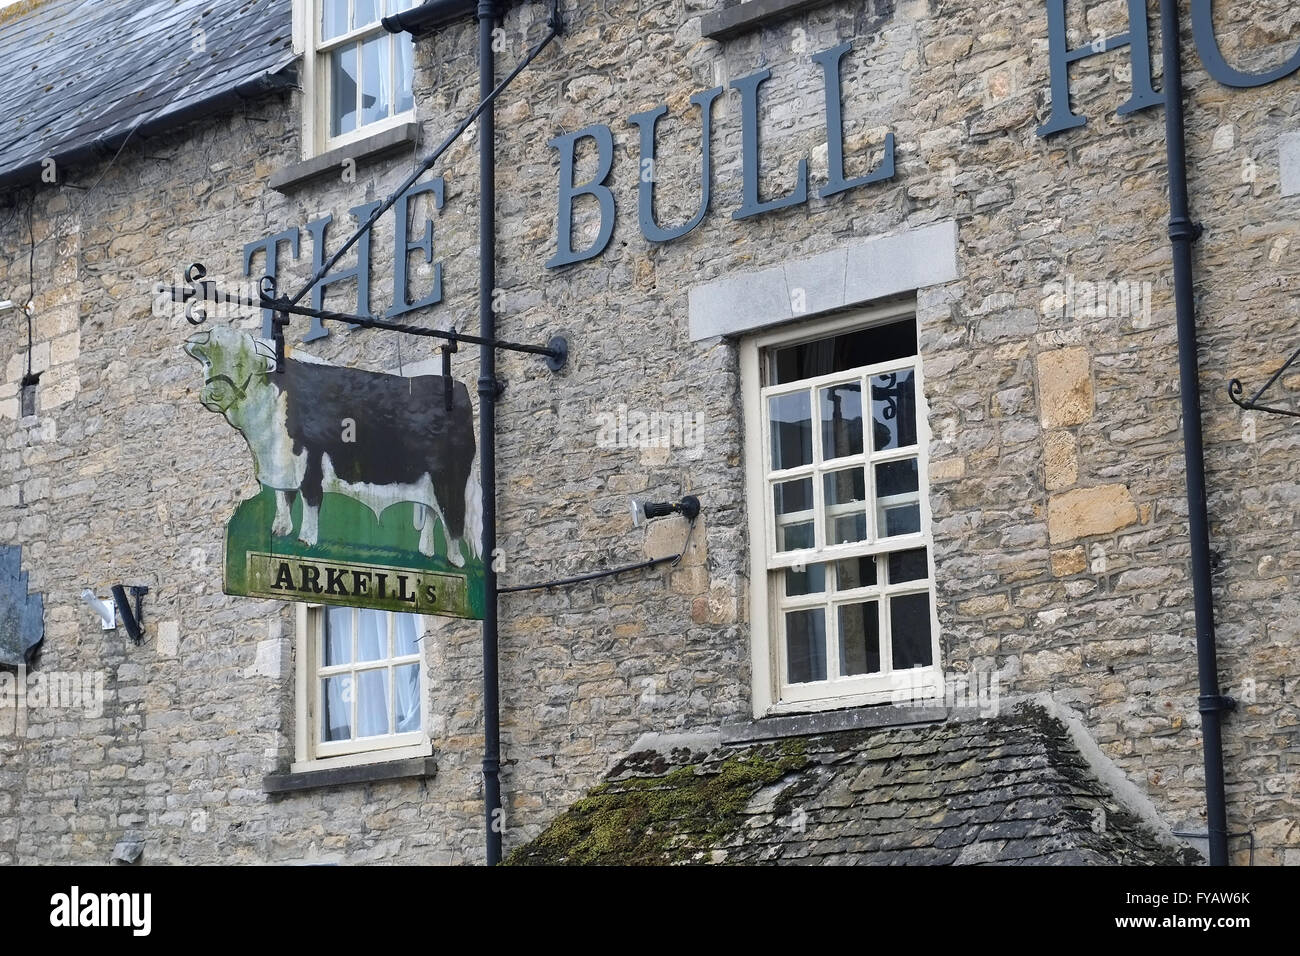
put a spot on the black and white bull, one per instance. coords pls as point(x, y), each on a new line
point(378, 439)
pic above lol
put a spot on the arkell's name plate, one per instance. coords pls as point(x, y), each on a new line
point(285, 577)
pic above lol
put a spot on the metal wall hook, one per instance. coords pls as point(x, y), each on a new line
point(1236, 390)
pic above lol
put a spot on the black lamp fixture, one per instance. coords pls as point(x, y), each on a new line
point(132, 620)
point(688, 507)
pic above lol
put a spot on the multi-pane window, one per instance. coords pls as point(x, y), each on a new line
point(847, 551)
point(361, 74)
point(365, 680)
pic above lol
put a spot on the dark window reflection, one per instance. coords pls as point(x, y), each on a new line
point(791, 417)
point(841, 415)
point(908, 566)
point(860, 639)
point(910, 624)
point(881, 343)
point(893, 410)
point(855, 573)
point(805, 641)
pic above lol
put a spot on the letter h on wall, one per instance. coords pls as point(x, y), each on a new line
point(1137, 39)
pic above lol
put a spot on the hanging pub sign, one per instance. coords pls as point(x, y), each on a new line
point(369, 495)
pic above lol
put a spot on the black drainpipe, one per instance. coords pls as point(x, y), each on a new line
point(487, 395)
point(1182, 233)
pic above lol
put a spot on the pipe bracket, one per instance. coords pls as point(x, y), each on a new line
point(1211, 703)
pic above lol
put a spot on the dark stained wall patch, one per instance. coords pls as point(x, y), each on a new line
point(22, 617)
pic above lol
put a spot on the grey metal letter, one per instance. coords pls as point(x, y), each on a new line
point(751, 205)
point(646, 187)
point(1137, 39)
point(404, 247)
point(1207, 45)
point(836, 183)
point(567, 145)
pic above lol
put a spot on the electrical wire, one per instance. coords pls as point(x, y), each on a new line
point(676, 559)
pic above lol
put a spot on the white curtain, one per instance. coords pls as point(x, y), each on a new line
point(406, 678)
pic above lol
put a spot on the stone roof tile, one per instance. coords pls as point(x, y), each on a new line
point(78, 72)
point(1003, 790)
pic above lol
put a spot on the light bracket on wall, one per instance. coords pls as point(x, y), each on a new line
point(132, 618)
point(688, 508)
point(1235, 390)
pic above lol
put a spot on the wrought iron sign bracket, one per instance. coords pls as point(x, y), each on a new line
point(1236, 389)
point(555, 352)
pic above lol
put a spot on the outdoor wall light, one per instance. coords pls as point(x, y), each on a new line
point(688, 508)
point(107, 620)
point(132, 618)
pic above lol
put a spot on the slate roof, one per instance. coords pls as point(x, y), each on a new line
point(81, 74)
point(1011, 790)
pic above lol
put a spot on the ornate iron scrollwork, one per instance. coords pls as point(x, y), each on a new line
point(1236, 390)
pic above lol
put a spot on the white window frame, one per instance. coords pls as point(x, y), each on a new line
point(315, 82)
point(313, 754)
point(771, 694)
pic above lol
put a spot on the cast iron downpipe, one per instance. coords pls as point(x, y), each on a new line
point(1182, 233)
point(487, 455)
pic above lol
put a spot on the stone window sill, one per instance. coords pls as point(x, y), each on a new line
point(372, 147)
point(829, 722)
point(750, 15)
point(414, 768)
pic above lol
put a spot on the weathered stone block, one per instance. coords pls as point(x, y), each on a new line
point(1064, 387)
point(1089, 511)
point(1061, 460)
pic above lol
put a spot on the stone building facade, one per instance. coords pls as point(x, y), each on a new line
point(1038, 272)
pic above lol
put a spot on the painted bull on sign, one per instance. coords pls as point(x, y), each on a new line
point(379, 439)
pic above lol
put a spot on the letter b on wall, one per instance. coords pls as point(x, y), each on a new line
point(568, 147)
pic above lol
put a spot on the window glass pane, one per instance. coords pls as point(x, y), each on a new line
point(338, 637)
point(406, 633)
point(333, 18)
point(855, 573)
point(908, 566)
point(364, 12)
point(805, 642)
point(407, 698)
point(791, 419)
point(336, 708)
point(846, 509)
point(343, 90)
point(883, 343)
point(898, 509)
point(793, 498)
point(910, 625)
point(811, 580)
point(841, 413)
point(372, 702)
point(372, 638)
point(404, 51)
point(893, 410)
point(376, 79)
point(859, 638)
